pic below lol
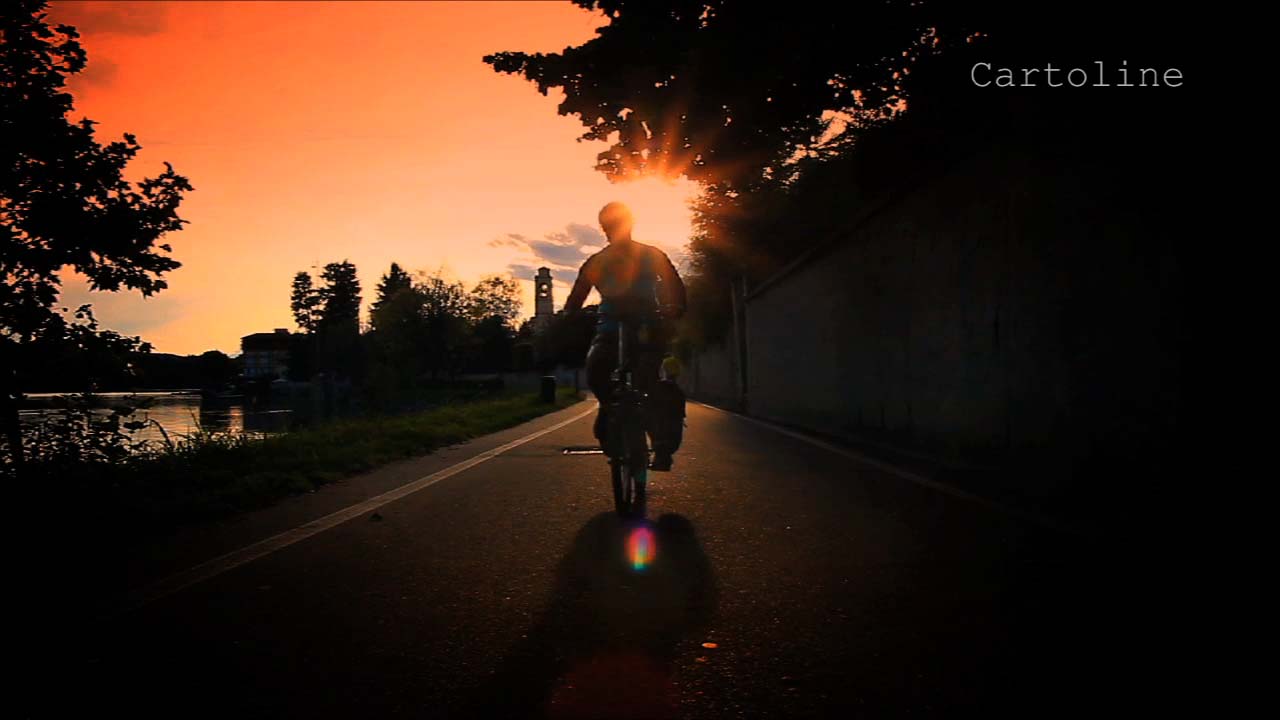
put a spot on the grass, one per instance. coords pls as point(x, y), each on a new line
point(209, 476)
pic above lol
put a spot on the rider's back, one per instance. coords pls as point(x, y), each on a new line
point(627, 276)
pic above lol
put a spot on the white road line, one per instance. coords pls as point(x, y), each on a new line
point(910, 476)
point(236, 558)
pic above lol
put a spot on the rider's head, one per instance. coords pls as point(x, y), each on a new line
point(616, 221)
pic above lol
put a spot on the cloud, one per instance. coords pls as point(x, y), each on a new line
point(521, 271)
point(98, 72)
point(559, 249)
point(511, 240)
point(118, 18)
point(562, 251)
point(586, 235)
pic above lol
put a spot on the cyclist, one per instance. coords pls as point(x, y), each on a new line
point(636, 282)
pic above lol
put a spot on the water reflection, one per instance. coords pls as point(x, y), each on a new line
point(220, 419)
point(173, 414)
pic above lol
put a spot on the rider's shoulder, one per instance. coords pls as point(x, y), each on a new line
point(659, 255)
point(653, 250)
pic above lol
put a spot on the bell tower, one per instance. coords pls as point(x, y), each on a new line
point(543, 305)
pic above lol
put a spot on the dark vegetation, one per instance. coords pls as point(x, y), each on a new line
point(64, 204)
point(422, 331)
point(140, 492)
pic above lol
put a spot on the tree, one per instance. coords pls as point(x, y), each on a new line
point(495, 296)
point(340, 297)
point(734, 90)
point(445, 310)
point(401, 332)
point(565, 339)
point(494, 306)
point(396, 280)
point(330, 314)
point(64, 203)
point(735, 95)
point(397, 349)
point(216, 369)
point(493, 345)
point(305, 301)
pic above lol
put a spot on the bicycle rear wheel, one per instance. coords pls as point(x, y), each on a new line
point(623, 487)
point(630, 476)
point(629, 485)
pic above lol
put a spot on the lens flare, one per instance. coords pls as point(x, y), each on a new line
point(641, 548)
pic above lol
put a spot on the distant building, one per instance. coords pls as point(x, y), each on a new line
point(543, 303)
point(265, 355)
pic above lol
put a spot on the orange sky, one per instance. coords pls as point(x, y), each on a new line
point(316, 132)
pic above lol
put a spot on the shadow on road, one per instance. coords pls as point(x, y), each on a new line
point(624, 604)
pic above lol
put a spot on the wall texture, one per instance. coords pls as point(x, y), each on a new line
point(710, 376)
point(1009, 308)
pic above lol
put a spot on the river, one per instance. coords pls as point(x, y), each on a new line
point(179, 412)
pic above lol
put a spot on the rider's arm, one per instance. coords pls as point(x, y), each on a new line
point(672, 287)
point(581, 288)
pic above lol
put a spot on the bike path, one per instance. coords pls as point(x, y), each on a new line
point(785, 580)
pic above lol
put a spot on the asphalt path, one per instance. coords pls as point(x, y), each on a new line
point(773, 578)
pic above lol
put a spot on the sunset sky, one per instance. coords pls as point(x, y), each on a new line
point(373, 132)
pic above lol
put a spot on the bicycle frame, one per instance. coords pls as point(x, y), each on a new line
point(627, 442)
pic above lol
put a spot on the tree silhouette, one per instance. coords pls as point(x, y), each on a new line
point(495, 296)
point(305, 301)
point(445, 309)
point(64, 202)
point(566, 339)
point(393, 282)
point(330, 314)
point(340, 297)
point(398, 347)
point(727, 92)
point(494, 345)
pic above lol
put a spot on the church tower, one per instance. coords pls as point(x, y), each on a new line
point(543, 305)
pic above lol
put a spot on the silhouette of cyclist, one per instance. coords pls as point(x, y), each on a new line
point(637, 282)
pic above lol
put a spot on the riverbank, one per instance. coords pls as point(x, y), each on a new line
point(211, 476)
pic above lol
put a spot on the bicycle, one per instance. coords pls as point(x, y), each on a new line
point(627, 443)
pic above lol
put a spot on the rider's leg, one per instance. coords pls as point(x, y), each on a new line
point(601, 359)
point(658, 415)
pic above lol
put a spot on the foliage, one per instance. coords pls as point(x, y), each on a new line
point(340, 297)
point(78, 351)
point(81, 433)
point(493, 345)
point(208, 475)
point(330, 315)
point(495, 296)
point(445, 309)
point(391, 283)
point(724, 92)
point(305, 301)
point(565, 339)
point(65, 206)
point(433, 328)
point(63, 199)
point(736, 96)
